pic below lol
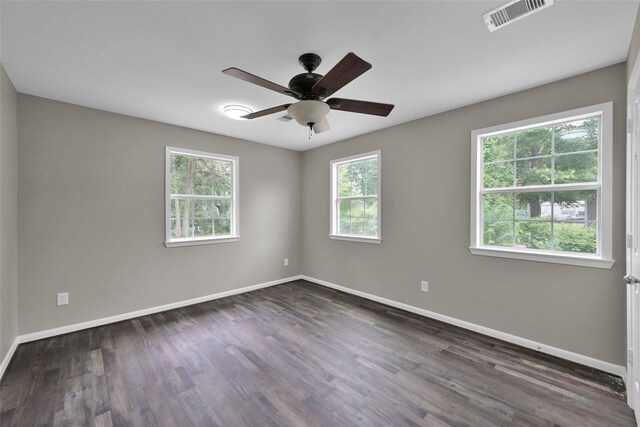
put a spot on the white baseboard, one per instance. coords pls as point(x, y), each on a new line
point(131, 315)
point(8, 356)
point(568, 355)
point(126, 316)
point(543, 348)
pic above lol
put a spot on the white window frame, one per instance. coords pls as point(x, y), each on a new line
point(234, 236)
point(603, 257)
point(335, 199)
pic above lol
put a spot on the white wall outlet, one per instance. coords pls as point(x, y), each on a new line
point(424, 286)
point(62, 298)
point(286, 262)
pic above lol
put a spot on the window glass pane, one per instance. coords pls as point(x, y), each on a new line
point(372, 168)
point(574, 216)
point(497, 206)
point(202, 177)
point(533, 171)
point(371, 183)
point(344, 226)
point(371, 227)
point(199, 177)
point(222, 226)
point(579, 135)
point(344, 207)
point(344, 179)
point(498, 147)
point(576, 168)
point(551, 157)
point(533, 225)
point(191, 218)
point(576, 205)
point(371, 209)
point(371, 217)
point(357, 208)
point(575, 221)
point(222, 176)
point(498, 233)
point(222, 209)
point(221, 217)
point(176, 219)
point(352, 218)
point(533, 206)
point(496, 175)
point(179, 168)
point(533, 234)
point(358, 178)
point(372, 186)
point(533, 142)
point(574, 237)
point(201, 217)
point(357, 225)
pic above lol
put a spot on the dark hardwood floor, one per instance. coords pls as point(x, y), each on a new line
point(298, 354)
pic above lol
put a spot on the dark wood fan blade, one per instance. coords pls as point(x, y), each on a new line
point(345, 71)
point(323, 126)
point(251, 78)
point(266, 112)
point(363, 107)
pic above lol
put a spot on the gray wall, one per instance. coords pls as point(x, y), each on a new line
point(8, 214)
point(91, 213)
point(425, 228)
point(91, 208)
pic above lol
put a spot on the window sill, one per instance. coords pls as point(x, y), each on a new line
point(359, 239)
point(205, 241)
point(580, 260)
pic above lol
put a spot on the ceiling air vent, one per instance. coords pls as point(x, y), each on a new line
point(512, 11)
point(285, 118)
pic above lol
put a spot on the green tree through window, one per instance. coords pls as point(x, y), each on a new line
point(527, 192)
point(355, 194)
point(201, 195)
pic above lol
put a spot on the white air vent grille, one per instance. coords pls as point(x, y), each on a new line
point(285, 118)
point(512, 11)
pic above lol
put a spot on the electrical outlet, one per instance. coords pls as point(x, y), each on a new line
point(62, 298)
point(286, 262)
point(424, 286)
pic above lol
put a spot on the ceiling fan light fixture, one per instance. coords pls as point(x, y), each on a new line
point(236, 111)
point(306, 112)
point(310, 89)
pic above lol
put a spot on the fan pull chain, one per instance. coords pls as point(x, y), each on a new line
point(310, 129)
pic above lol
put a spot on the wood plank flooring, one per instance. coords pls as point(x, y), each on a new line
point(298, 354)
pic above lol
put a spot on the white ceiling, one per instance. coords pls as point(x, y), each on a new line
point(163, 60)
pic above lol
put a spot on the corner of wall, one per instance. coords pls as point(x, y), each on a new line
point(634, 46)
point(8, 219)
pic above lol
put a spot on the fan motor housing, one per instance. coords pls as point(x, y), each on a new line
point(302, 83)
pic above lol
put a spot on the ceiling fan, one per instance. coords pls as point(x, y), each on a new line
point(311, 89)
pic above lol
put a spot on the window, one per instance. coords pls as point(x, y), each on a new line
point(355, 198)
point(541, 188)
point(201, 197)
